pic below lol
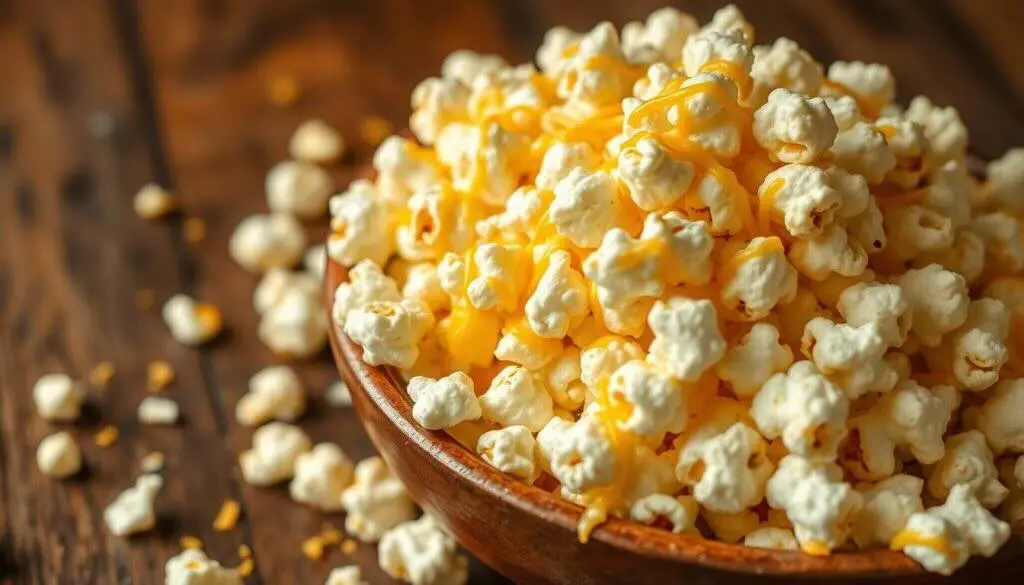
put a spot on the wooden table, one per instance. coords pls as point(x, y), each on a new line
point(99, 97)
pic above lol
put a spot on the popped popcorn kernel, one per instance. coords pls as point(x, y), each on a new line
point(153, 202)
point(132, 510)
point(58, 398)
point(58, 455)
point(315, 141)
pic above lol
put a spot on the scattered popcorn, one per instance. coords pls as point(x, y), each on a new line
point(292, 323)
point(191, 322)
point(153, 202)
point(275, 393)
point(153, 462)
point(227, 518)
point(58, 398)
point(314, 261)
point(101, 374)
point(298, 187)
point(193, 230)
point(276, 447)
point(261, 242)
point(193, 567)
point(321, 475)
point(157, 410)
point(338, 394)
point(350, 575)
point(106, 436)
point(316, 142)
point(159, 375)
point(58, 455)
point(132, 510)
point(421, 552)
point(376, 501)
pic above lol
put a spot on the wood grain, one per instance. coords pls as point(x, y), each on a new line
point(98, 97)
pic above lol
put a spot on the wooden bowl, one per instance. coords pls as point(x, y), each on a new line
point(529, 535)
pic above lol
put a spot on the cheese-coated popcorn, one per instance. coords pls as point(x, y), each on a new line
point(443, 403)
point(1004, 243)
point(316, 141)
point(421, 552)
point(801, 197)
point(793, 128)
point(730, 20)
point(747, 365)
point(132, 510)
point(939, 300)
point(402, 169)
point(910, 147)
point(784, 65)
point(580, 455)
point(804, 409)
point(465, 66)
point(601, 359)
point(518, 345)
point(1005, 182)
point(945, 131)
point(660, 38)
point(58, 455)
point(655, 401)
point(686, 337)
point(366, 283)
point(321, 474)
point(360, 226)
point(275, 448)
point(888, 505)
point(863, 150)
point(499, 277)
point(274, 393)
point(999, 417)
point(870, 83)
point(852, 357)
point(714, 46)
point(727, 472)
point(437, 102)
point(298, 187)
point(968, 460)
point(192, 567)
point(773, 538)
point(261, 242)
point(511, 451)
point(655, 180)
point(561, 159)
point(517, 397)
point(58, 398)
point(716, 132)
point(422, 283)
point(820, 505)
point(680, 512)
point(562, 376)
point(585, 207)
point(882, 304)
point(488, 159)
point(389, 332)
point(685, 247)
point(756, 279)
point(552, 55)
point(375, 502)
point(560, 299)
point(626, 273)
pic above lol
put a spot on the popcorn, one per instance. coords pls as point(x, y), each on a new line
point(820, 505)
point(315, 141)
point(402, 169)
point(314, 261)
point(976, 350)
point(436, 103)
point(747, 365)
point(561, 158)
point(1005, 183)
point(945, 131)
point(968, 461)
point(360, 226)
point(998, 417)
point(321, 474)
point(1001, 234)
point(909, 146)
point(729, 20)
point(654, 178)
point(871, 84)
point(793, 128)
point(192, 567)
point(585, 206)
point(914, 230)
point(654, 401)
point(517, 397)
point(153, 202)
point(756, 278)
point(863, 150)
point(444, 403)
point(583, 79)
point(132, 510)
point(338, 394)
point(298, 187)
point(275, 393)
point(852, 357)
point(294, 324)
point(58, 455)
point(58, 398)
point(560, 298)
point(885, 305)
point(580, 455)
point(943, 537)
point(389, 332)
point(805, 199)
point(804, 409)
point(627, 276)
point(686, 337)
point(562, 376)
point(727, 472)
point(520, 345)
point(278, 283)
point(487, 159)
point(350, 575)
point(276, 447)
point(938, 299)
point(680, 512)
point(600, 360)
point(261, 242)
point(510, 450)
point(191, 322)
point(554, 51)
point(784, 65)
point(773, 538)
point(710, 46)
point(465, 66)
point(660, 38)
point(499, 280)
point(888, 505)
point(366, 283)
point(375, 502)
point(157, 410)
point(421, 552)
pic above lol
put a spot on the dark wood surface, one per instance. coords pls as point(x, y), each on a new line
point(98, 97)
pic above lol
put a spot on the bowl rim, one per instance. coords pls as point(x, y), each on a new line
point(384, 389)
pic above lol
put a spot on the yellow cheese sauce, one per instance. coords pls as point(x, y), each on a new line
point(905, 538)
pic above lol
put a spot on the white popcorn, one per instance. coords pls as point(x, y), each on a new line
point(939, 300)
point(805, 199)
point(585, 207)
point(888, 505)
point(338, 394)
point(421, 552)
point(945, 131)
point(909, 146)
point(58, 398)
point(686, 337)
point(784, 65)
point(863, 150)
point(434, 219)
point(350, 575)
point(486, 160)
point(153, 202)
point(844, 109)
point(389, 332)
point(278, 283)
point(422, 282)
point(756, 279)
point(599, 360)
point(713, 46)
point(520, 345)
point(402, 169)
point(436, 103)
point(969, 461)
point(580, 455)
point(132, 510)
point(275, 448)
point(376, 501)
point(192, 567)
point(976, 351)
point(727, 471)
point(852, 357)
point(500, 277)
point(562, 376)
point(580, 82)
point(655, 402)
point(265, 241)
point(561, 158)
point(913, 230)
point(157, 410)
point(517, 397)
point(805, 409)
point(627, 275)
point(820, 505)
point(315, 141)
point(321, 475)
point(510, 450)
point(942, 538)
point(465, 65)
point(751, 362)
point(191, 322)
point(654, 178)
point(560, 299)
point(360, 226)
point(522, 213)
point(553, 53)
point(660, 38)
point(950, 190)
point(685, 247)
point(966, 256)
point(999, 417)
point(366, 283)
point(707, 110)
point(729, 20)
point(882, 304)
point(58, 455)
point(298, 187)
point(314, 261)
point(443, 403)
point(295, 325)
point(1004, 243)
point(275, 393)
point(680, 512)
point(794, 128)
point(773, 538)
point(1005, 182)
point(872, 84)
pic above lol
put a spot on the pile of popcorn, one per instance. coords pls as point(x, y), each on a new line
point(676, 276)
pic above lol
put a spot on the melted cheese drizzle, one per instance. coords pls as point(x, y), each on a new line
point(905, 538)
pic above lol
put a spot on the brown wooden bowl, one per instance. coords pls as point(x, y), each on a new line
point(529, 535)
